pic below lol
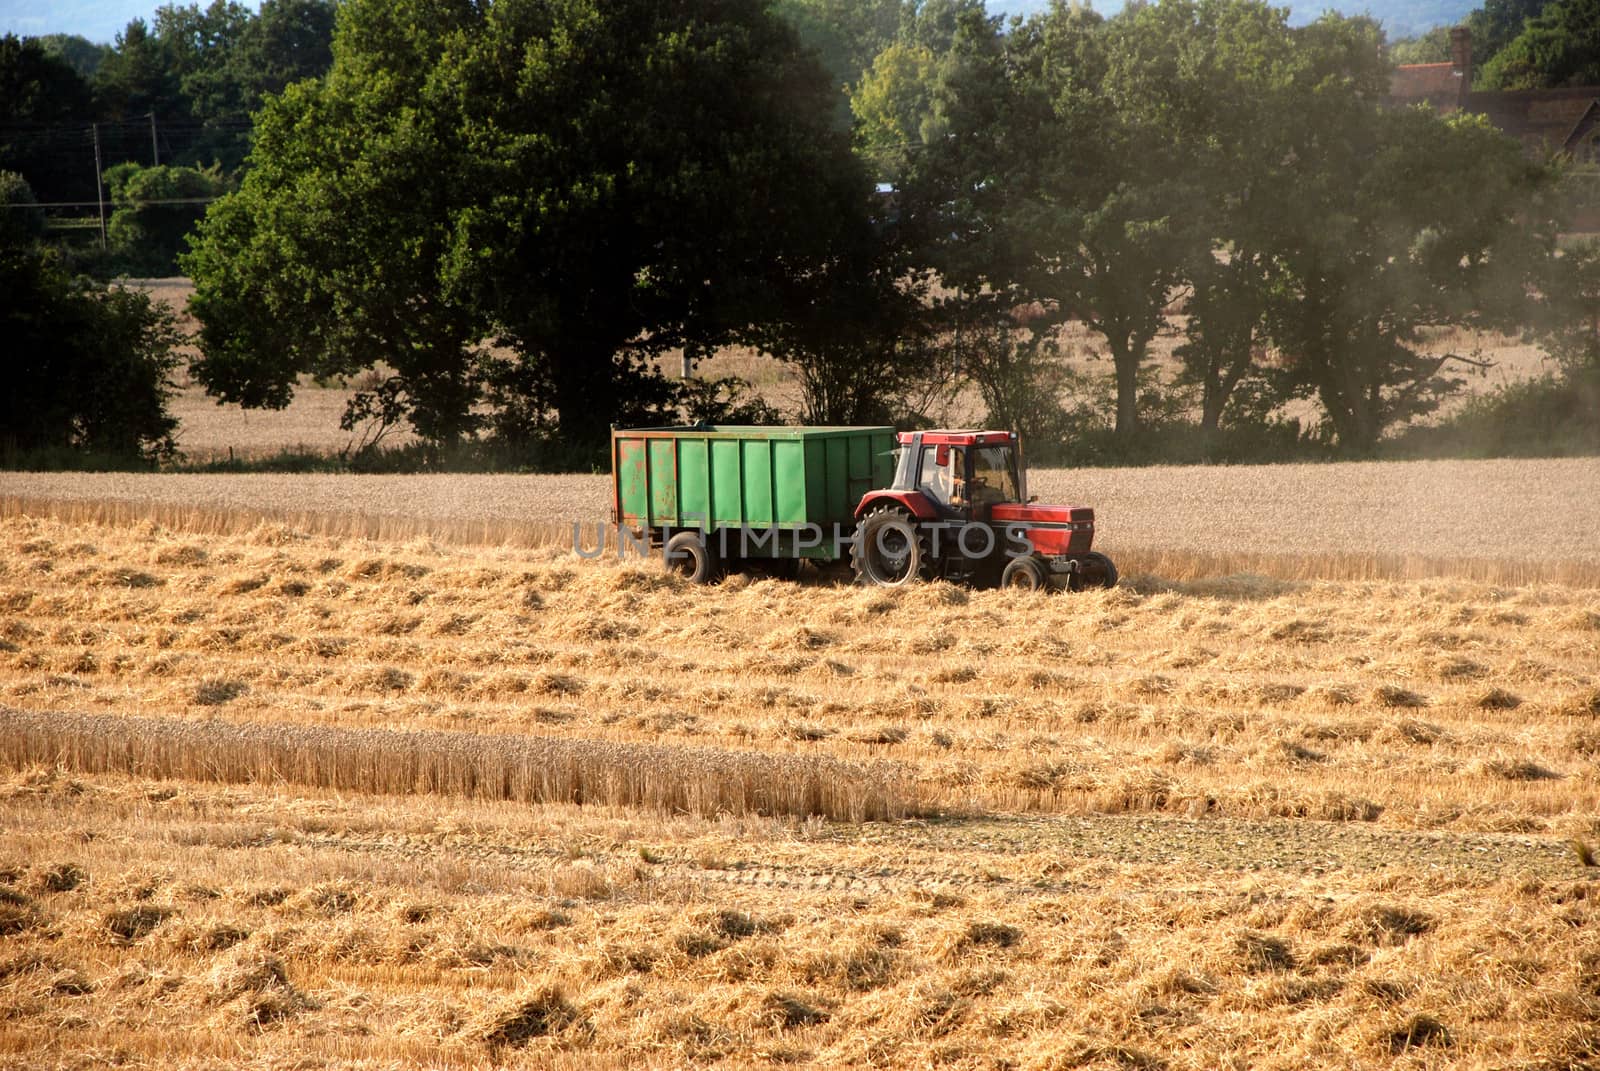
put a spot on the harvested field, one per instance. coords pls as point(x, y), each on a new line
point(209, 430)
point(1431, 704)
point(1187, 823)
point(1497, 521)
point(310, 423)
point(210, 927)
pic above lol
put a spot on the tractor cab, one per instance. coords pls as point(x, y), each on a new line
point(962, 474)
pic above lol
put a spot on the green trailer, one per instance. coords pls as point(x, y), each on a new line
point(715, 496)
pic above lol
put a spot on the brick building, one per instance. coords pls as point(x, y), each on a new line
point(1543, 120)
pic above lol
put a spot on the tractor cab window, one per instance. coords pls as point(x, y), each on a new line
point(994, 476)
point(942, 476)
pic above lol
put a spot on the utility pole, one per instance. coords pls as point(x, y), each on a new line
point(99, 190)
point(155, 147)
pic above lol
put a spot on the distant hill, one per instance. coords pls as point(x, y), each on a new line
point(102, 20)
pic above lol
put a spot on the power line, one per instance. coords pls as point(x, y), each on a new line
point(116, 203)
point(139, 123)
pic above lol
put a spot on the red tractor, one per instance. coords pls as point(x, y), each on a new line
point(959, 509)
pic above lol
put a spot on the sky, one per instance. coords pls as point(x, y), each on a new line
point(102, 20)
point(98, 20)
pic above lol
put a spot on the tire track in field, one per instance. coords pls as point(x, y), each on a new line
point(543, 860)
point(1027, 854)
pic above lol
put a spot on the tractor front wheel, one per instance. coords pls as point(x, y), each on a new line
point(690, 556)
point(890, 549)
point(1024, 574)
point(1095, 570)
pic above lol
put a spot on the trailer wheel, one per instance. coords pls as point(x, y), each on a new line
point(1024, 574)
point(1095, 570)
point(690, 556)
point(890, 549)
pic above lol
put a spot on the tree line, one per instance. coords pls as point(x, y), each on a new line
point(512, 211)
point(1102, 167)
point(1521, 44)
point(199, 73)
point(158, 121)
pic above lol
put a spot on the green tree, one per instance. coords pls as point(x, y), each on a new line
point(86, 370)
point(1052, 184)
point(328, 258)
point(201, 45)
point(155, 210)
point(228, 59)
point(202, 71)
point(590, 184)
point(1571, 331)
point(1430, 47)
point(231, 59)
point(897, 103)
point(676, 207)
point(288, 41)
point(1409, 223)
point(37, 86)
point(1225, 83)
point(1494, 26)
point(859, 340)
point(1559, 46)
point(1235, 96)
point(39, 95)
point(846, 34)
point(21, 218)
point(894, 109)
point(1019, 373)
point(76, 51)
point(139, 77)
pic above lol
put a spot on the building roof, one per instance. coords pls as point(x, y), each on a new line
point(1438, 84)
point(1543, 120)
point(1549, 118)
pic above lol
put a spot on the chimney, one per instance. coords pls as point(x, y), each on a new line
point(1461, 58)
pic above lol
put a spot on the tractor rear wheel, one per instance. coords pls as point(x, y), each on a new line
point(1095, 570)
point(691, 557)
point(1024, 574)
point(890, 549)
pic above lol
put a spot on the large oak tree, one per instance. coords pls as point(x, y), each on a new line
point(588, 183)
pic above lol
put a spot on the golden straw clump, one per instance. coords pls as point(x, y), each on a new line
point(703, 781)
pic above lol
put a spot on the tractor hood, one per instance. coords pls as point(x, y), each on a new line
point(1033, 515)
point(1053, 531)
